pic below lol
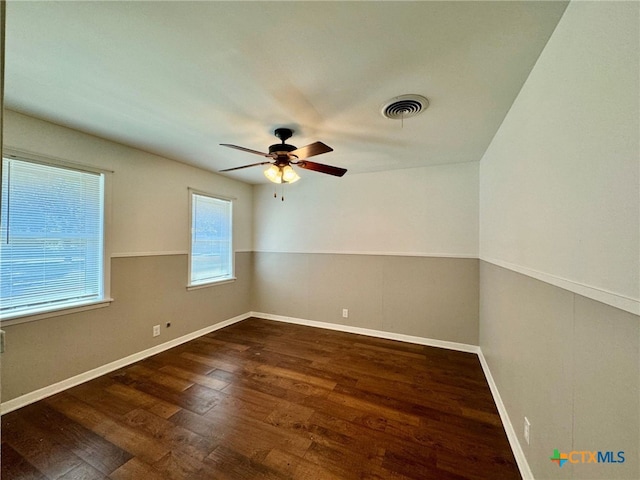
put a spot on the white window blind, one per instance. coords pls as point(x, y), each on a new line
point(51, 237)
point(211, 239)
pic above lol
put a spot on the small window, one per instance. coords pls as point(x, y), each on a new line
point(211, 254)
point(51, 238)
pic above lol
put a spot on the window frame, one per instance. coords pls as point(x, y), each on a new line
point(104, 299)
point(231, 277)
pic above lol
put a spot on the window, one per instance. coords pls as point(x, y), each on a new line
point(211, 254)
point(51, 238)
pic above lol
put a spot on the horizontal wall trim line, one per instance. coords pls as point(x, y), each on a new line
point(160, 254)
point(379, 254)
point(148, 254)
point(58, 387)
point(327, 252)
point(461, 347)
point(627, 304)
point(516, 448)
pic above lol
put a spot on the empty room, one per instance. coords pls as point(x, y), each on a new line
point(320, 240)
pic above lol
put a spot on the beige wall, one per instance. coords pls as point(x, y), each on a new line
point(570, 365)
point(434, 298)
point(415, 295)
point(150, 200)
point(397, 248)
point(559, 184)
point(559, 190)
point(149, 238)
point(147, 291)
point(417, 211)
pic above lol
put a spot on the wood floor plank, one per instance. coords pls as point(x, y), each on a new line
point(344, 435)
point(83, 472)
point(40, 450)
point(253, 438)
point(204, 380)
point(136, 468)
point(173, 358)
point(364, 404)
point(195, 398)
point(269, 400)
point(292, 466)
point(16, 466)
point(119, 434)
point(95, 450)
point(238, 467)
point(348, 465)
point(101, 398)
point(224, 344)
point(141, 375)
point(175, 437)
point(212, 362)
point(178, 465)
point(414, 355)
point(248, 402)
point(294, 375)
point(422, 467)
point(136, 398)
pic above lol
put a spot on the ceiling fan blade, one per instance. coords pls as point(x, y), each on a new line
point(246, 149)
point(244, 166)
point(322, 168)
point(313, 149)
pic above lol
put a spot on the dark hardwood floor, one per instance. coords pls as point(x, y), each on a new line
point(269, 400)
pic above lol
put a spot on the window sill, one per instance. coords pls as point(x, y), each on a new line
point(197, 286)
point(25, 317)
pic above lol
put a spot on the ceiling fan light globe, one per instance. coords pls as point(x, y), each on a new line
point(273, 174)
point(289, 175)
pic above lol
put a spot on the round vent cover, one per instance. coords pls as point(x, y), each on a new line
point(404, 106)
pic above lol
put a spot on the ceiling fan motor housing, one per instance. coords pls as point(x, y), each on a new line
point(281, 150)
point(281, 147)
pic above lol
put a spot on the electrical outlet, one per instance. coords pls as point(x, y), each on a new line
point(345, 313)
point(527, 430)
point(156, 330)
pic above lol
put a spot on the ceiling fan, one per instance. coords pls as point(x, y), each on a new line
point(282, 156)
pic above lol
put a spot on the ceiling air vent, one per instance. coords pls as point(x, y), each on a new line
point(404, 106)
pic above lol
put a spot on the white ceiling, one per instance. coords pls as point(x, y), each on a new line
point(179, 78)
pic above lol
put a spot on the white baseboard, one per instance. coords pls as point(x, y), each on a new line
point(58, 387)
point(462, 347)
point(516, 448)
